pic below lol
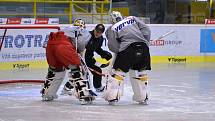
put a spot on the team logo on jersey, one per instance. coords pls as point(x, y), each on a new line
point(124, 23)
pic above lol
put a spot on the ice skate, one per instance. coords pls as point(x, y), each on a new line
point(49, 98)
point(113, 102)
point(145, 102)
point(100, 89)
point(86, 100)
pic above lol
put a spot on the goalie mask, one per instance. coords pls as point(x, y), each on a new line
point(115, 17)
point(79, 22)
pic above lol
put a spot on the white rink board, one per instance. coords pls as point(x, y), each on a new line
point(26, 45)
point(183, 41)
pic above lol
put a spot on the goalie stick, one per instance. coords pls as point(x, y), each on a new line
point(5, 31)
point(166, 34)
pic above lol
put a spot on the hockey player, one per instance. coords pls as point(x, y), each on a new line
point(93, 45)
point(61, 53)
point(129, 39)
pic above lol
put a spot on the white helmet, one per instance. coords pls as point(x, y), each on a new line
point(79, 22)
point(115, 17)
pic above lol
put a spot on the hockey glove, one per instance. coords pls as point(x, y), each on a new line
point(105, 65)
point(107, 55)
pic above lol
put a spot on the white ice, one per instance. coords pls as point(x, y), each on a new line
point(178, 92)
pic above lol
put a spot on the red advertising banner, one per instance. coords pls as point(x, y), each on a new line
point(13, 20)
point(41, 20)
point(209, 21)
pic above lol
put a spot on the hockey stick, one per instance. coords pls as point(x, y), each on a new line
point(101, 74)
point(3, 39)
point(166, 34)
point(84, 64)
point(76, 41)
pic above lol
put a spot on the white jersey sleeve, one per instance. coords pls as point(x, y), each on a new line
point(70, 31)
point(143, 28)
point(82, 35)
point(83, 39)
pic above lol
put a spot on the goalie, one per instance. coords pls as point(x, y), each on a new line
point(129, 39)
point(93, 45)
point(62, 53)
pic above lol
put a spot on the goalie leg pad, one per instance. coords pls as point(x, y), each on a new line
point(51, 85)
point(83, 92)
point(68, 88)
point(139, 83)
point(114, 87)
point(81, 85)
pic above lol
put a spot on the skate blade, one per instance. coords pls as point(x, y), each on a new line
point(144, 102)
point(113, 102)
point(87, 100)
point(49, 98)
point(45, 99)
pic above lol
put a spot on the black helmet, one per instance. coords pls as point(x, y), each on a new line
point(100, 28)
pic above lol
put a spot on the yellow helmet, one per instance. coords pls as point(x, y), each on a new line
point(79, 22)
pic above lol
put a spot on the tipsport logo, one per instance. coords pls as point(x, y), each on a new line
point(177, 59)
point(207, 41)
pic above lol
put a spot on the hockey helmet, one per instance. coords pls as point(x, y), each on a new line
point(79, 22)
point(115, 17)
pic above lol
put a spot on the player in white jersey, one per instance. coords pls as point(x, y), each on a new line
point(62, 53)
point(129, 39)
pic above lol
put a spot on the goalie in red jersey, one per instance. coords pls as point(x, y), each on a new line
point(62, 54)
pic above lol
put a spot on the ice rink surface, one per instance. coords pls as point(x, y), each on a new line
point(178, 92)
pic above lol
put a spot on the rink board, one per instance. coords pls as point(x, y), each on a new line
point(155, 59)
point(180, 44)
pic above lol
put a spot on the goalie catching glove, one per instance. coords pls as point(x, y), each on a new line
point(106, 55)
